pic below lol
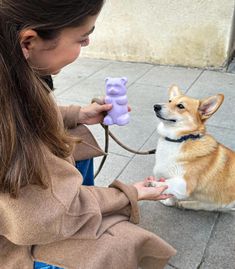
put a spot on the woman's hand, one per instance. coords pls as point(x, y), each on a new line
point(93, 113)
point(151, 193)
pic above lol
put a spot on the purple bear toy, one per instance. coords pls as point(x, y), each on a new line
point(116, 95)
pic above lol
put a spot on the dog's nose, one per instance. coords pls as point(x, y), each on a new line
point(157, 107)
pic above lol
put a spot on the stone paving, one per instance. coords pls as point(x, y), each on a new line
point(204, 240)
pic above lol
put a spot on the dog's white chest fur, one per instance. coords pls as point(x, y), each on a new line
point(166, 164)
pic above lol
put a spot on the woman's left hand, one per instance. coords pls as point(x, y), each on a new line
point(152, 193)
point(93, 113)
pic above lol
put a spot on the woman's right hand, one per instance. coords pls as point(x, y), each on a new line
point(151, 193)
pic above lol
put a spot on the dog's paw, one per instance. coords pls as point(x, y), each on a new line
point(180, 204)
point(169, 202)
point(155, 184)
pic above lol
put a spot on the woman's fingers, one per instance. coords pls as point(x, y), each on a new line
point(165, 196)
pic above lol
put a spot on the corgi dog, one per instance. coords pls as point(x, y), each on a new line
point(199, 171)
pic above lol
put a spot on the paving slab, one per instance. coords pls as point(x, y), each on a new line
point(84, 91)
point(133, 135)
point(142, 97)
point(76, 72)
point(165, 76)
point(132, 71)
point(220, 252)
point(94, 84)
point(113, 167)
point(223, 135)
point(211, 83)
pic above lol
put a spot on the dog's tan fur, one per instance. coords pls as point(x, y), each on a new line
point(210, 170)
point(208, 166)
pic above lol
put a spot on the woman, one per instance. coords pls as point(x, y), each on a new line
point(46, 214)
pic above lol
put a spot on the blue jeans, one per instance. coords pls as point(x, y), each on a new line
point(86, 168)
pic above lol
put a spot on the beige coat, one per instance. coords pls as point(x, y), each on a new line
point(75, 226)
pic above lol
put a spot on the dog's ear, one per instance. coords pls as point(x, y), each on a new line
point(210, 105)
point(174, 91)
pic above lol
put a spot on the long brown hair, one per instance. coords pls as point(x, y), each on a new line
point(28, 116)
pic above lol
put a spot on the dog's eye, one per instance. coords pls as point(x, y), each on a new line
point(180, 106)
point(169, 101)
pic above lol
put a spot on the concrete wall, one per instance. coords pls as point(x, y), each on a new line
point(194, 33)
point(232, 43)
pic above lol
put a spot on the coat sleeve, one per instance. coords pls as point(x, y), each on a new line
point(66, 209)
point(89, 147)
point(70, 115)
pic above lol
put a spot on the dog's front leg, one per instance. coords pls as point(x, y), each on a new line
point(198, 205)
point(176, 186)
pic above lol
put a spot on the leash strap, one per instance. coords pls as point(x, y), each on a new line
point(107, 134)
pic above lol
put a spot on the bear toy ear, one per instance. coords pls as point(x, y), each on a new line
point(107, 79)
point(124, 80)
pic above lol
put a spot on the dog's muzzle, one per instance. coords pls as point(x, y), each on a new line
point(157, 108)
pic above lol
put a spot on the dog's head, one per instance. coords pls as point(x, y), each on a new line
point(183, 115)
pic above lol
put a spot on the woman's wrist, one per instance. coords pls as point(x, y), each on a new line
point(82, 116)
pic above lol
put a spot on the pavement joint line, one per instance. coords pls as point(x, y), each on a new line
point(132, 157)
point(196, 79)
point(66, 89)
point(147, 140)
point(201, 262)
point(140, 147)
point(221, 127)
point(83, 79)
point(171, 265)
point(231, 62)
point(72, 101)
point(136, 81)
point(118, 175)
point(120, 155)
point(125, 166)
point(150, 84)
point(208, 241)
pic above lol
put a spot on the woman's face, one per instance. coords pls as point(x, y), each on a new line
point(49, 57)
